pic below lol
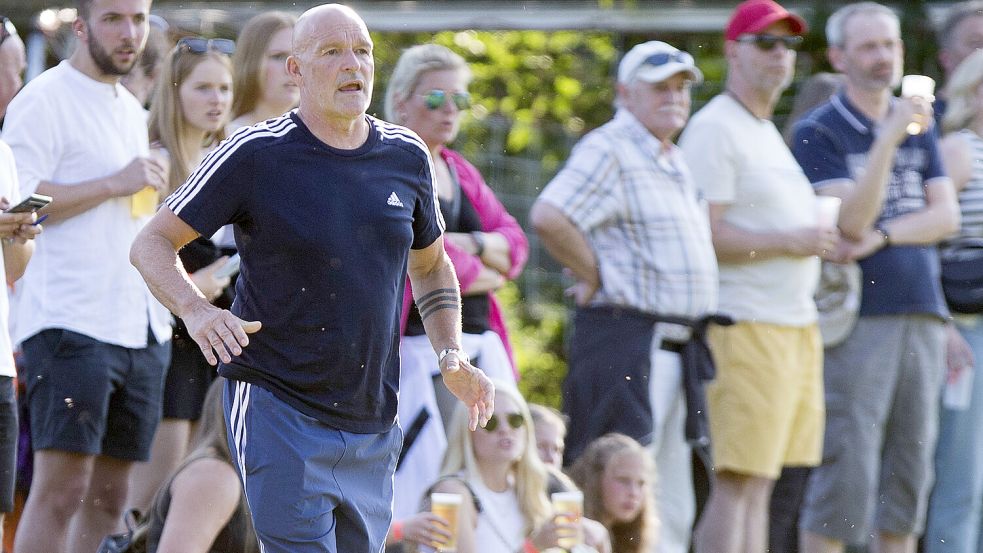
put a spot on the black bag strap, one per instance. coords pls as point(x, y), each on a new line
point(412, 433)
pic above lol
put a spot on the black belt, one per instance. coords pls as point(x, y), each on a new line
point(671, 346)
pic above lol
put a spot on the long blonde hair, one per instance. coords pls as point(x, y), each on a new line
point(167, 123)
point(587, 472)
point(961, 93)
point(528, 470)
point(248, 60)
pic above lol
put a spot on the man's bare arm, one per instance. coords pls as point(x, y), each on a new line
point(438, 298)
point(154, 254)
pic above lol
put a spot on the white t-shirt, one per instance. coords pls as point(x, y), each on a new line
point(741, 160)
point(66, 128)
point(9, 190)
point(501, 525)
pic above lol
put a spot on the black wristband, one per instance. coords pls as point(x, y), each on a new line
point(479, 242)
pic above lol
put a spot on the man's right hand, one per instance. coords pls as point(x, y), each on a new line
point(218, 332)
point(810, 241)
point(905, 111)
point(139, 174)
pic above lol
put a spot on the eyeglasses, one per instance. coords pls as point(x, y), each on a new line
point(663, 58)
point(198, 45)
point(7, 29)
point(515, 420)
point(435, 99)
point(767, 43)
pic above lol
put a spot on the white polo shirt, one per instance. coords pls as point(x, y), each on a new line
point(8, 189)
point(66, 128)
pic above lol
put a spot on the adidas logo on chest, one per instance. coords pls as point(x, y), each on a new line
point(394, 200)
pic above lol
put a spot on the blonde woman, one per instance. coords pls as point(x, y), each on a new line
point(187, 118)
point(497, 471)
point(955, 509)
point(263, 88)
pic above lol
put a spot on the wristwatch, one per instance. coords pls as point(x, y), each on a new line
point(458, 352)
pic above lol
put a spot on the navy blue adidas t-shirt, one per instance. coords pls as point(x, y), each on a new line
point(324, 236)
point(832, 143)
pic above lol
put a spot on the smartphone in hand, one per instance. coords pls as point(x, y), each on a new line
point(32, 203)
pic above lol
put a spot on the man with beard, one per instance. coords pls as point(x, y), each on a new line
point(94, 338)
point(765, 406)
point(884, 381)
point(331, 209)
point(624, 217)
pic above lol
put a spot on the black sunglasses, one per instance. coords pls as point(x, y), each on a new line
point(767, 43)
point(435, 99)
point(663, 58)
point(7, 29)
point(198, 45)
point(515, 420)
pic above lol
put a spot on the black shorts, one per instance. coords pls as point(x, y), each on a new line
point(93, 398)
point(9, 431)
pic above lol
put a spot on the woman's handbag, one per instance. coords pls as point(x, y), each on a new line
point(962, 276)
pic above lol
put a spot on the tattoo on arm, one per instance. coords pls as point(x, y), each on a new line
point(442, 298)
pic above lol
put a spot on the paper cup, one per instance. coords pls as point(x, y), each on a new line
point(920, 86)
point(827, 211)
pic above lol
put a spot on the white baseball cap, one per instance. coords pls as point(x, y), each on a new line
point(656, 61)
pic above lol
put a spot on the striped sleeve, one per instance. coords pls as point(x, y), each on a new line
point(217, 158)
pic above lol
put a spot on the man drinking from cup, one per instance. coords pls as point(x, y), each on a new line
point(883, 382)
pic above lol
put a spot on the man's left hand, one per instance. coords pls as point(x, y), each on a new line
point(471, 386)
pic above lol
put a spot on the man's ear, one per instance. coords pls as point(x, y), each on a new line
point(293, 67)
point(835, 56)
point(79, 27)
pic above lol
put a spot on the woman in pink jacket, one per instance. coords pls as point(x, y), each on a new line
point(428, 92)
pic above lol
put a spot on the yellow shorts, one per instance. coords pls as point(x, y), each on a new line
point(766, 406)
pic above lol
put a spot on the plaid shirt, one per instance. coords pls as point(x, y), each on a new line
point(637, 206)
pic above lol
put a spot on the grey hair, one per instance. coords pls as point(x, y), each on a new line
point(836, 25)
point(412, 65)
point(954, 17)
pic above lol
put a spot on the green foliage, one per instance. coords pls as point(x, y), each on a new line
point(538, 90)
point(537, 339)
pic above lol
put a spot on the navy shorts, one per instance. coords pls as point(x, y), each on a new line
point(93, 398)
point(9, 431)
point(311, 488)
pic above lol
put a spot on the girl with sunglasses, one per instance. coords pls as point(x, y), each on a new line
point(187, 119)
point(428, 93)
point(497, 471)
point(616, 474)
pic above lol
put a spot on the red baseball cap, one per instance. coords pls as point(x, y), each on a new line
point(754, 16)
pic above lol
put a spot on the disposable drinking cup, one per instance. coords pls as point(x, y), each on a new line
point(446, 506)
point(569, 507)
point(917, 86)
point(827, 211)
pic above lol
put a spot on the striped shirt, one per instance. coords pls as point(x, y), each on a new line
point(324, 235)
point(635, 203)
point(971, 197)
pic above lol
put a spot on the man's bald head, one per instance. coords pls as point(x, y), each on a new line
point(320, 18)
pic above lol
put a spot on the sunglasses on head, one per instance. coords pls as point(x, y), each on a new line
point(663, 58)
point(767, 43)
point(514, 420)
point(199, 45)
point(7, 29)
point(435, 99)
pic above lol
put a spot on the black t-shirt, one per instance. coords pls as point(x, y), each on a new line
point(324, 236)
